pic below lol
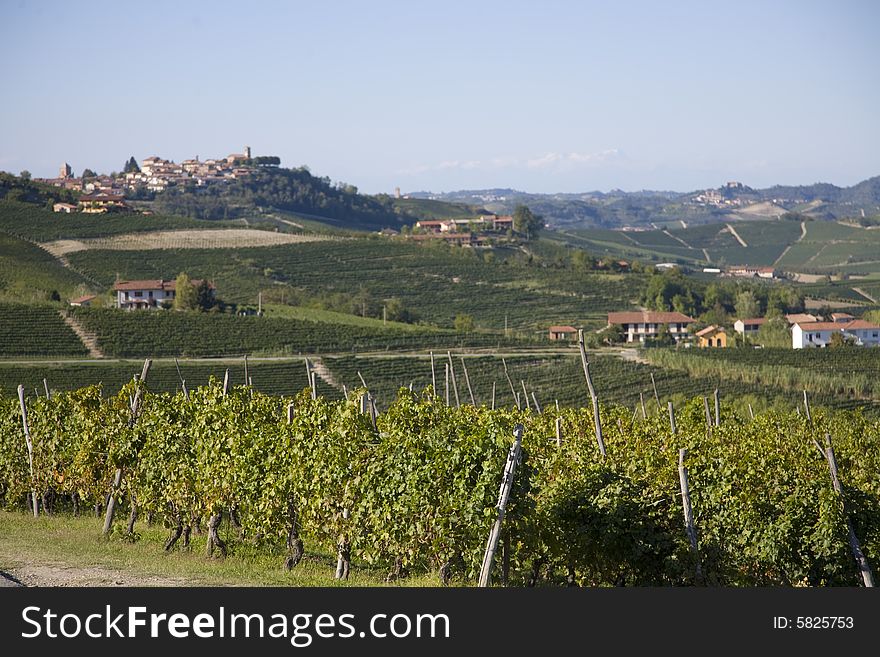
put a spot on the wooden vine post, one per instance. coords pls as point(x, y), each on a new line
point(854, 546)
point(433, 376)
point(30, 449)
point(717, 408)
point(688, 511)
point(708, 413)
point(596, 419)
point(513, 458)
point(467, 380)
point(671, 418)
point(226, 382)
point(117, 477)
point(452, 376)
point(510, 383)
point(656, 396)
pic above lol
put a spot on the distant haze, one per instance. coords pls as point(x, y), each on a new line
point(543, 97)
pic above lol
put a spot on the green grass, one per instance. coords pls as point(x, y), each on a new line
point(67, 542)
point(332, 317)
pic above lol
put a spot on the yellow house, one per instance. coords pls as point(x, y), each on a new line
point(712, 336)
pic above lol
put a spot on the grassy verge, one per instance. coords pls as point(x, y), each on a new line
point(73, 546)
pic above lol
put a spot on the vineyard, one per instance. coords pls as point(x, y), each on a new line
point(35, 223)
point(846, 373)
point(28, 274)
point(126, 335)
point(36, 331)
point(434, 282)
point(554, 379)
point(414, 490)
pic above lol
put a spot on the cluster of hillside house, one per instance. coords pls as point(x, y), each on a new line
point(107, 193)
point(806, 329)
point(157, 174)
point(462, 231)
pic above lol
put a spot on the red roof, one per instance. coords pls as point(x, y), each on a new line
point(153, 284)
point(710, 329)
point(563, 329)
point(648, 317)
point(837, 326)
point(88, 297)
point(754, 320)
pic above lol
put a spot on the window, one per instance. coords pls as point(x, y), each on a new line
point(139, 293)
point(150, 293)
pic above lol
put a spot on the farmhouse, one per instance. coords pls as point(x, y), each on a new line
point(818, 334)
point(83, 301)
point(563, 332)
point(63, 207)
point(712, 336)
point(159, 293)
point(641, 324)
point(749, 326)
point(101, 203)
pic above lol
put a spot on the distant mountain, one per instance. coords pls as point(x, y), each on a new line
point(646, 207)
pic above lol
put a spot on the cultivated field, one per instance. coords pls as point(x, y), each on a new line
point(224, 238)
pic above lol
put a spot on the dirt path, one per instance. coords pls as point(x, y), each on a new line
point(60, 574)
point(733, 232)
point(89, 340)
point(678, 239)
point(865, 294)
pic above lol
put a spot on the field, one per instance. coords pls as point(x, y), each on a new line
point(224, 238)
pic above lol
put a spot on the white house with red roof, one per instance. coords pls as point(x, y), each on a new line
point(818, 334)
point(155, 293)
point(638, 325)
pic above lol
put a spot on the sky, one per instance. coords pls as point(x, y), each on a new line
point(543, 96)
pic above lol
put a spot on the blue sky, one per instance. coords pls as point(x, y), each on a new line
point(540, 96)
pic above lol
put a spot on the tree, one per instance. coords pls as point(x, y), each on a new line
point(88, 173)
point(25, 175)
point(747, 305)
point(463, 323)
point(131, 166)
point(185, 295)
point(774, 333)
point(397, 312)
point(839, 340)
point(525, 222)
point(872, 316)
point(204, 296)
